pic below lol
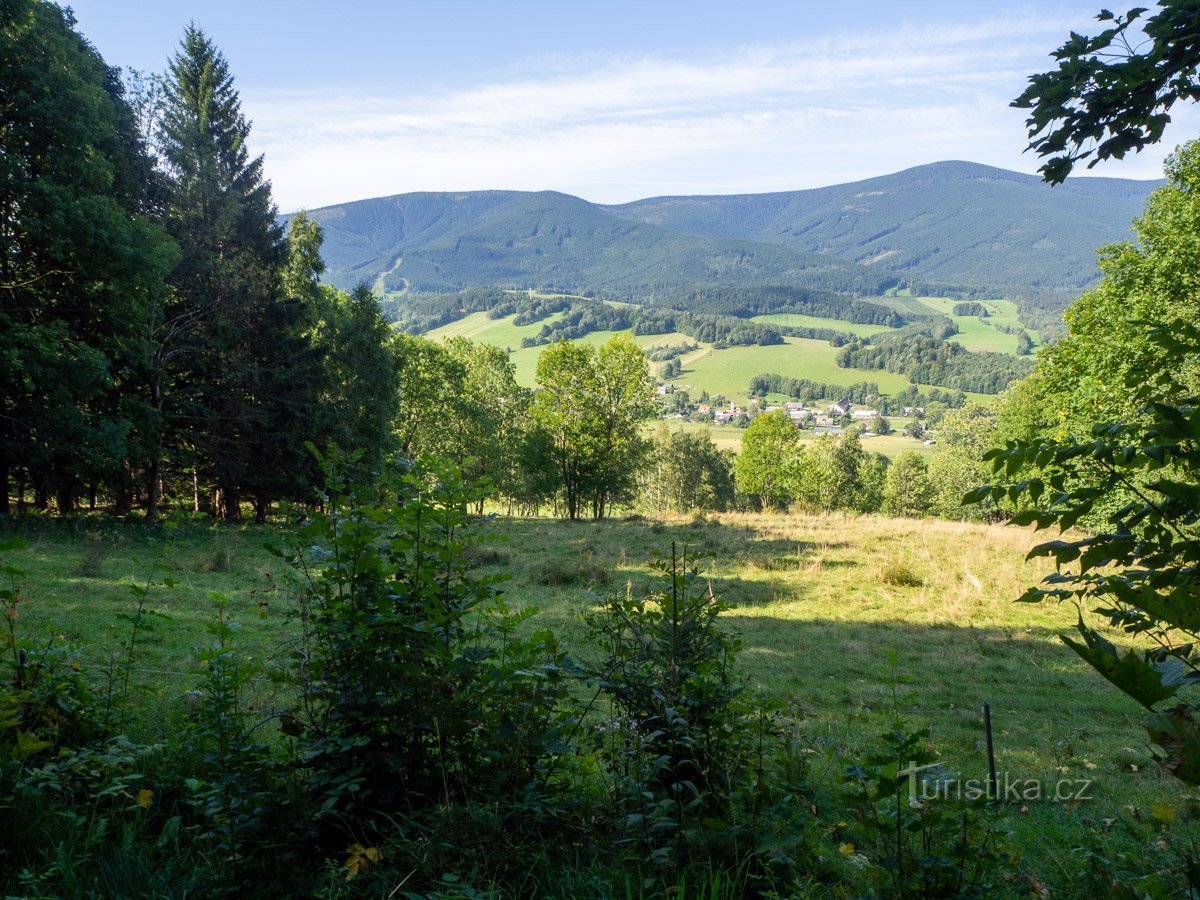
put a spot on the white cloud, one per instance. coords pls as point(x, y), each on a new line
point(761, 118)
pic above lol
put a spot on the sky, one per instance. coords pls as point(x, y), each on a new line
point(618, 100)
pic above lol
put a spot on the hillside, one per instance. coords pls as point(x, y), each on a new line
point(953, 224)
point(950, 222)
point(432, 242)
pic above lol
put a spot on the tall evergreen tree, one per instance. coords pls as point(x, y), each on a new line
point(234, 391)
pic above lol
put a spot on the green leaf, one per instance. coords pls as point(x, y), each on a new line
point(1131, 673)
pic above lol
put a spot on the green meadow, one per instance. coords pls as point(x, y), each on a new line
point(855, 620)
point(728, 371)
point(795, 320)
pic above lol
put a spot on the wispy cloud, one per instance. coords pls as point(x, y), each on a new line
point(760, 118)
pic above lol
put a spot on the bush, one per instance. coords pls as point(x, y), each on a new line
point(563, 572)
point(415, 687)
point(924, 836)
point(699, 771)
point(900, 575)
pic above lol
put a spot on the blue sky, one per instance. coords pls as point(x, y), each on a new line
point(617, 100)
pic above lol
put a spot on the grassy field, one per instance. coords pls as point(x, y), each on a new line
point(795, 320)
point(857, 620)
point(503, 333)
point(480, 328)
point(976, 334)
point(729, 371)
point(727, 437)
point(726, 372)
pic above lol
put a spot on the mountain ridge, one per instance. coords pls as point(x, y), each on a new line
point(951, 224)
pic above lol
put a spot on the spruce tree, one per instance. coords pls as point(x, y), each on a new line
point(242, 331)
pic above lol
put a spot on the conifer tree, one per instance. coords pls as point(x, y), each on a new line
point(235, 382)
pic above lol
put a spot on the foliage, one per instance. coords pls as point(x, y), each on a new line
point(833, 472)
point(914, 839)
point(865, 392)
point(1137, 571)
point(927, 359)
point(1083, 378)
point(81, 269)
point(1112, 93)
point(243, 369)
point(908, 491)
point(762, 467)
point(590, 405)
point(963, 438)
point(693, 769)
point(686, 471)
point(415, 686)
point(582, 317)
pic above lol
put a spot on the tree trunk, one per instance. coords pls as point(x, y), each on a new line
point(124, 490)
point(64, 498)
point(261, 506)
point(92, 496)
point(152, 490)
point(229, 504)
point(4, 510)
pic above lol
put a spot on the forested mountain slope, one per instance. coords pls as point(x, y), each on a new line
point(950, 222)
point(944, 225)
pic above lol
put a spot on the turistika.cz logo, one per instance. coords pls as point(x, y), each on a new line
point(922, 789)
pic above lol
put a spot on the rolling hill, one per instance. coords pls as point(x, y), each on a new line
point(438, 242)
point(955, 223)
point(948, 224)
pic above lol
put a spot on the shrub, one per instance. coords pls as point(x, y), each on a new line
point(921, 841)
point(416, 688)
point(900, 575)
point(563, 572)
point(699, 770)
point(96, 550)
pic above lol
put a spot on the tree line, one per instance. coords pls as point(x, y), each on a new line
point(160, 335)
point(162, 339)
point(928, 359)
point(862, 392)
point(777, 470)
point(745, 302)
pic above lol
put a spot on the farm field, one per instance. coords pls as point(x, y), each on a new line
point(727, 437)
point(503, 333)
point(857, 621)
point(726, 371)
point(977, 334)
point(478, 327)
point(974, 334)
point(795, 320)
point(729, 371)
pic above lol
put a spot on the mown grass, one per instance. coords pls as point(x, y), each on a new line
point(729, 371)
point(729, 437)
point(796, 320)
point(856, 619)
point(976, 334)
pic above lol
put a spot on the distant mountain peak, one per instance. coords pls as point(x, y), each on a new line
point(953, 223)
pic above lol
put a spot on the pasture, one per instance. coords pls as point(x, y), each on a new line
point(856, 621)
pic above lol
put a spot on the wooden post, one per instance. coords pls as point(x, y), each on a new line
point(993, 788)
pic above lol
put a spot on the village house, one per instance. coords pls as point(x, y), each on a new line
point(840, 408)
